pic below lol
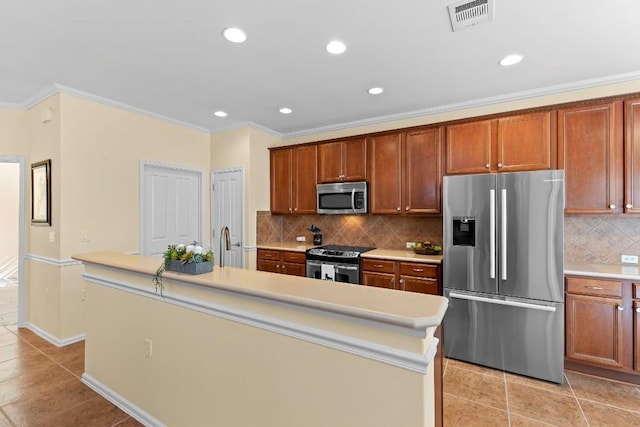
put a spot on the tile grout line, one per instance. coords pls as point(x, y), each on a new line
point(577, 400)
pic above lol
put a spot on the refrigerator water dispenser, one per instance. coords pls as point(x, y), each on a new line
point(464, 231)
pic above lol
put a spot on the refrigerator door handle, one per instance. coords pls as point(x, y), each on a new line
point(502, 302)
point(503, 235)
point(492, 233)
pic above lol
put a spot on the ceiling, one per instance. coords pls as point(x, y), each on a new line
point(168, 57)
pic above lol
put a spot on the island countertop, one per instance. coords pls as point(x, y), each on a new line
point(407, 309)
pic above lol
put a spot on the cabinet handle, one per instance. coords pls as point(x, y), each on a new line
point(612, 206)
point(377, 265)
point(393, 282)
point(487, 166)
point(629, 206)
point(595, 288)
point(418, 269)
point(500, 165)
point(620, 308)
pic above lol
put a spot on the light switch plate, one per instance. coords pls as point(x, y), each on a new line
point(410, 244)
point(629, 259)
point(52, 237)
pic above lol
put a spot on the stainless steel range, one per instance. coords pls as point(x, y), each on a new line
point(335, 263)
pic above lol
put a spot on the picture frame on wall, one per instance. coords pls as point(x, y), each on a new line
point(41, 193)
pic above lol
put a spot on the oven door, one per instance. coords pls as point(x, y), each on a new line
point(332, 271)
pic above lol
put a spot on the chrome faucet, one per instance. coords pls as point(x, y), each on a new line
point(224, 234)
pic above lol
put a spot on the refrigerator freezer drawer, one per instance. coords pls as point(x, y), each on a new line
point(516, 335)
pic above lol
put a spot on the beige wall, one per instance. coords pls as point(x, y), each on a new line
point(246, 148)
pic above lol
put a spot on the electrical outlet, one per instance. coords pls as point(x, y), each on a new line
point(52, 237)
point(409, 244)
point(629, 259)
point(85, 236)
point(83, 295)
point(148, 348)
point(47, 296)
point(301, 239)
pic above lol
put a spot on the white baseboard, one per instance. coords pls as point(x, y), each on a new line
point(50, 338)
point(122, 403)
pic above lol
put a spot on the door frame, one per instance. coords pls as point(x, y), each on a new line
point(211, 209)
point(21, 233)
point(144, 165)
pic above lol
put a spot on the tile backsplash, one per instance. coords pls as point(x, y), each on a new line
point(355, 230)
point(600, 239)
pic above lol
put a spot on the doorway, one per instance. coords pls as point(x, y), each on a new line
point(12, 241)
point(227, 210)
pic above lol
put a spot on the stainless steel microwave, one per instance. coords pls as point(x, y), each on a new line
point(342, 198)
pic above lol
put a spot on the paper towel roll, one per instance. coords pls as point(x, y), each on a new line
point(328, 272)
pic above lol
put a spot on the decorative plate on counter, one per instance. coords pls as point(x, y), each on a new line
point(426, 251)
point(426, 248)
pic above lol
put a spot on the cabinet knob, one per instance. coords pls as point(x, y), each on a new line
point(296, 209)
point(406, 208)
point(628, 206)
point(500, 165)
point(402, 282)
point(398, 209)
point(637, 309)
point(620, 308)
point(487, 166)
point(612, 206)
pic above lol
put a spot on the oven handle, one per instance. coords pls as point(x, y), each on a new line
point(353, 200)
point(337, 266)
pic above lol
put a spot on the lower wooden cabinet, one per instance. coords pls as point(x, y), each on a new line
point(601, 327)
point(284, 262)
point(401, 275)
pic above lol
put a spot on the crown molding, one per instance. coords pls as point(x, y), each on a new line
point(245, 125)
point(481, 102)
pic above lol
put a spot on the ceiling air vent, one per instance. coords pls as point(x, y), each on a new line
point(470, 12)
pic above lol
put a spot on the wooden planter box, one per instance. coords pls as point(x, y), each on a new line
point(193, 268)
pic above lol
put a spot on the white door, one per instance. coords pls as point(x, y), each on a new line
point(227, 211)
point(170, 208)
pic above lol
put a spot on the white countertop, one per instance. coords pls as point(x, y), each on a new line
point(408, 309)
point(606, 271)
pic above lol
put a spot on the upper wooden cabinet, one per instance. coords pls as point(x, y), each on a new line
point(293, 180)
point(405, 172)
point(590, 152)
point(509, 144)
point(632, 156)
point(342, 161)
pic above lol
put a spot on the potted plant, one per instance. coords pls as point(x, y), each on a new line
point(189, 259)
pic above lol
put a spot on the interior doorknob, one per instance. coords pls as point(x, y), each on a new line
point(237, 244)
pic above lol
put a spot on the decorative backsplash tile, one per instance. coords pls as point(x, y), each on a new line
point(592, 239)
point(600, 239)
point(355, 230)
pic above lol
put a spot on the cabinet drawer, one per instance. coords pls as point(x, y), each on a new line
point(268, 254)
point(636, 290)
point(594, 287)
point(418, 270)
point(423, 286)
point(297, 257)
point(378, 265)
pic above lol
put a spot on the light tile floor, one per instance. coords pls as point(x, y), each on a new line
point(479, 396)
point(8, 301)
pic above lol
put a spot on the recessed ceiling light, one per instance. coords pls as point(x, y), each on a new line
point(235, 35)
point(511, 60)
point(336, 47)
point(375, 90)
point(286, 110)
point(220, 114)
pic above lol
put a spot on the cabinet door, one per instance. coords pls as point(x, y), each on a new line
point(281, 182)
point(354, 160)
point(330, 162)
point(293, 269)
point(524, 142)
point(422, 178)
point(420, 285)
point(636, 335)
point(468, 147)
point(632, 156)
point(595, 331)
point(384, 174)
point(379, 280)
point(590, 151)
point(304, 179)
point(270, 266)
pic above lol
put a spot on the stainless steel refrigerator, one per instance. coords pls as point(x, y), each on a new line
point(503, 271)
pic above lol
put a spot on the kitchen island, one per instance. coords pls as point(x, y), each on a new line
point(238, 347)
